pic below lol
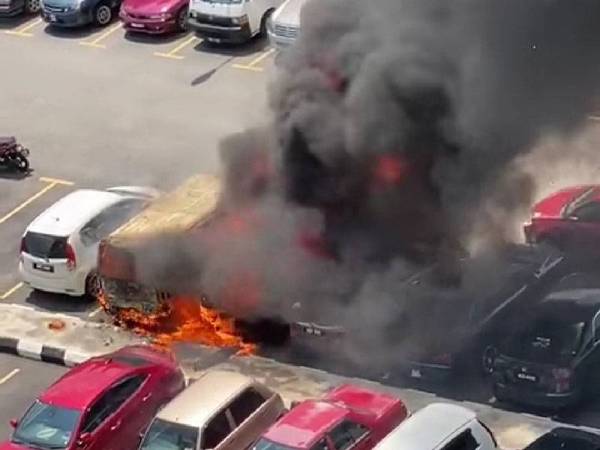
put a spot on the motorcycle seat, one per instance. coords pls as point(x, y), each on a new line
point(8, 141)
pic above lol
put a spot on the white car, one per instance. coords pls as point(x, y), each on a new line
point(59, 249)
point(283, 26)
point(440, 426)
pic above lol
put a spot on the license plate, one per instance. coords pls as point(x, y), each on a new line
point(137, 25)
point(44, 267)
point(527, 377)
point(52, 18)
point(211, 39)
point(415, 373)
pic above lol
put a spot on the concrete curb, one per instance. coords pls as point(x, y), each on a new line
point(40, 352)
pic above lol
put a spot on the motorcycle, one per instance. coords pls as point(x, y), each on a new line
point(13, 155)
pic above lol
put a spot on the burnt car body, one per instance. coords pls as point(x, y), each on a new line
point(550, 362)
point(563, 438)
point(468, 326)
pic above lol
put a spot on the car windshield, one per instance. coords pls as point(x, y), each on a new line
point(46, 426)
point(547, 339)
point(265, 444)
point(164, 435)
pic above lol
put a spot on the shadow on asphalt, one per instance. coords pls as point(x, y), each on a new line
point(149, 39)
point(256, 45)
point(11, 174)
point(75, 32)
point(203, 78)
point(59, 303)
point(12, 23)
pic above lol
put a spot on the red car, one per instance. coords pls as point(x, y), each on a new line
point(105, 403)
point(154, 16)
point(348, 417)
point(570, 217)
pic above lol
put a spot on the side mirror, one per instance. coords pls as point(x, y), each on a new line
point(14, 423)
point(84, 439)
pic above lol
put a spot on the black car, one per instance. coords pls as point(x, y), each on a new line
point(75, 13)
point(9, 8)
point(563, 438)
point(551, 360)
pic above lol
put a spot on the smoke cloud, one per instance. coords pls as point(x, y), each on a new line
point(396, 144)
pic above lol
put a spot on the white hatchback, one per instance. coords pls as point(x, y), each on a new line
point(59, 249)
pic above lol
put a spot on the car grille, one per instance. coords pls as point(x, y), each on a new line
point(285, 31)
point(214, 20)
point(137, 16)
point(57, 9)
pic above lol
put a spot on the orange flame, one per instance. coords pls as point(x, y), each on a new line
point(183, 319)
point(389, 170)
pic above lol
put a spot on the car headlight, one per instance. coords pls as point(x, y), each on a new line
point(240, 20)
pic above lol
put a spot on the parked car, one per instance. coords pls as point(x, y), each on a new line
point(440, 426)
point(347, 417)
point(563, 438)
point(10, 8)
point(567, 218)
point(283, 26)
point(554, 357)
point(59, 249)
point(154, 17)
point(221, 410)
point(104, 403)
point(77, 13)
point(231, 21)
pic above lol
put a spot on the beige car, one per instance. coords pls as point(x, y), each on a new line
point(221, 410)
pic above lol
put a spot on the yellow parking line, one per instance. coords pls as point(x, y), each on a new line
point(57, 181)
point(9, 375)
point(96, 42)
point(52, 183)
point(23, 31)
point(173, 53)
point(252, 66)
point(11, 291)
point(95, 312)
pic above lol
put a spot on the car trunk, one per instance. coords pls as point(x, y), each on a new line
point(45, 255)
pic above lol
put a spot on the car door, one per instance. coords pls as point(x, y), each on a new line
point(253, 412)
point(99, 424)
point(351, 435)
point(216, 430)
point(584, 224)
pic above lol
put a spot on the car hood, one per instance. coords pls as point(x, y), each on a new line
point(553, 205)
point(152, 6)
point(10, 446)
point(289, 13)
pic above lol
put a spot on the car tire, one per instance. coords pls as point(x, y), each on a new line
point(93, 287)
point(103, 15)
point(487, 360)
point(263, 23)
point(32, 6)
point(182, 19)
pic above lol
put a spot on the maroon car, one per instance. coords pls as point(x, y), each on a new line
point(154, 16)
point(105, 403)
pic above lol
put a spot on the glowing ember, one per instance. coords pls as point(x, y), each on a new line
point(389, 170)
point(183, 319)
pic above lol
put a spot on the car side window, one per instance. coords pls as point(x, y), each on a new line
point(346, 434)
point(245, 404)
point(590, 212)
point(97, 414)
point(464, 441)
point(120, 393)
point(108, 221)
point(216, 431)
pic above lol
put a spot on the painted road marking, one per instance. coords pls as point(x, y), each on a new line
point(23, 31)
point(173, 53)
point(11, 291)
point(253, 65)
point(96, 42)
point(594, 118)
point(52, 183)
point(95, 312)
point(9, 375)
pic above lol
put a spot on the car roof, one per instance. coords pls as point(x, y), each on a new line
point(72, 211)
point(79, 387)
point(306, 423)
point(204, 397)
point(428, 428)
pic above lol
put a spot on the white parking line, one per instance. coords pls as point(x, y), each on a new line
point(11, 291)
point(95, 312)
point(8, 376)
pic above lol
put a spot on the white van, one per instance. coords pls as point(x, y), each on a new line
point(440, 426)
point(231, 21)
point(284, 25)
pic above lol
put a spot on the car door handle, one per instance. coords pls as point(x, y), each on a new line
point(115, 426)
point(147, 397)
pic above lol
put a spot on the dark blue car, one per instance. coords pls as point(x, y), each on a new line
point(9, 8)
point(75, 13)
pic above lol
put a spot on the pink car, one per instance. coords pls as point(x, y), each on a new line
point(347, 417)
point(154, 16)
point(567, 218)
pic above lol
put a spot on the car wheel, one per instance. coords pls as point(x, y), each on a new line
point(182, 19)
point(93, 287)
point(32, 6)
point(487, 360)
point(103, 15)
point(263, 23)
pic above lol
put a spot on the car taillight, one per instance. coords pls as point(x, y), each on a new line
point(444, 359)
point(71, 260)
point(23, 245)
point(562, 379)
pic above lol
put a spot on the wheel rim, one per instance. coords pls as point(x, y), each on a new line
point(33, 5)
point(103, 15)
point(182, 19)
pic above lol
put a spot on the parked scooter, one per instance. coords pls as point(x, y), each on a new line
point(13, 155)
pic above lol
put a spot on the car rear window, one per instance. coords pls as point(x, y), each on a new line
point(45, 245)
point(131, 360)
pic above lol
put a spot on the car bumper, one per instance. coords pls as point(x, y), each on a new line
point(12, 9)
point(217, 33)
point(73, 285)
point(148, 26)
point(280, 43)
point(544, 400)
point(426, 371)
point(67, 19)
